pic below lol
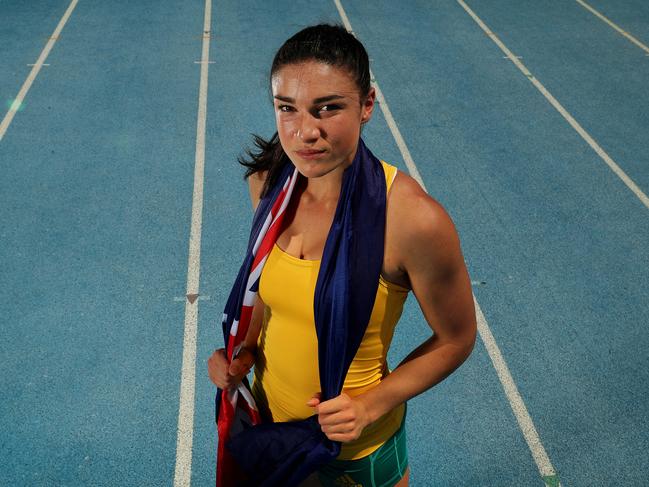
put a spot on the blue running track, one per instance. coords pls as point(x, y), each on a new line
point(96, 184)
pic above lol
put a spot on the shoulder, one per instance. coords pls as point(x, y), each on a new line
point(421, 229)
point(255, 186)
point(415, 211)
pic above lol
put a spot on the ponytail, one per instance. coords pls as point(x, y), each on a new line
point(269, 156)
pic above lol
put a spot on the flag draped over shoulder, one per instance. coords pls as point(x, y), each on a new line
point(256, 453)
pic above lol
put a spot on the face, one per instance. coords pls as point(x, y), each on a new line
point(319, 112)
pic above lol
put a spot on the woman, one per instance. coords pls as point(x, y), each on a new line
point(322, 97)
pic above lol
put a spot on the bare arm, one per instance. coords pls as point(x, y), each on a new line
point(429, 254)
point(432, 259)
point(256, 320)
point(255, 185)
point(227, 375)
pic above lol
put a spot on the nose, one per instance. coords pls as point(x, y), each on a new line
point(308, 130)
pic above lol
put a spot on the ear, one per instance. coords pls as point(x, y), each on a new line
point(368, 106)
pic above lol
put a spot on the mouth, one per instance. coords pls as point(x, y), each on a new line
point(310, 153)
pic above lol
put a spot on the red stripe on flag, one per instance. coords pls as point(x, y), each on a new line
point(232, 418)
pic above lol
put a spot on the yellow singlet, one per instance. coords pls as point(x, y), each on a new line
point(286, 373)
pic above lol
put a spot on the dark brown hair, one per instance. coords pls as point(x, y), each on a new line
point(330, 44)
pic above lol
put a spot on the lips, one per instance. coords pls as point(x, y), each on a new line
point(310, 153)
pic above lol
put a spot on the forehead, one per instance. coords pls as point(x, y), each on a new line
point(312, 79)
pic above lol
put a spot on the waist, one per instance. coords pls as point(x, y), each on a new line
point(280, 402)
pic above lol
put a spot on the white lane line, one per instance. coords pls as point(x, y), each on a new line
point(386, 110)
point(553, 101)
point(184, 443)
point(502, 370)
point(614, 26)
point(516, 401)
point(34, 72)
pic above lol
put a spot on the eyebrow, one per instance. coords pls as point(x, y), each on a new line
point(322, 99)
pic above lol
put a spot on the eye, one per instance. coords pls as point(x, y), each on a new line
point(285, 108)
point(329, 108)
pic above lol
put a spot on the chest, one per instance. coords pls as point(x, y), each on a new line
point(305, 229)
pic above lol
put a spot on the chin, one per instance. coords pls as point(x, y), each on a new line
point(314, 169)
point(313, 173)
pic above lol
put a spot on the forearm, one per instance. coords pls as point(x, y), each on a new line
point(428, 364)
point(256, 322)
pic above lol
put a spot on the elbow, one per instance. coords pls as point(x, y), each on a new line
point(472, 336)
point(466, 342)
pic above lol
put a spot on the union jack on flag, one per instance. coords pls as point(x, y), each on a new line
point(236, 408)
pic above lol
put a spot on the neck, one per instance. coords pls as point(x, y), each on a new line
point(325, 188)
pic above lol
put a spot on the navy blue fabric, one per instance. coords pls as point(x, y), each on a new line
point(284, 454)
point(232, 311)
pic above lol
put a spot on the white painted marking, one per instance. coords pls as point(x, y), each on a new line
point(614, 26)
point(569, 118)
point(35, 64)
point(11, 113)
point(184, 443)
point(516, 402)
point(204, 62)
point(403, 148)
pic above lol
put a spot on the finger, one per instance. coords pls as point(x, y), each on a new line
point(213, 369)
point(242, 363)
point(217, 366)
point(333, 405)
point(315, 400)
point(340, 417)
point(237, 367)
point(218, 379)
point(341, 429)
point(219, 357)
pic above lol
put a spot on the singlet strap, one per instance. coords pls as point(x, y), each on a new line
point(390, 173)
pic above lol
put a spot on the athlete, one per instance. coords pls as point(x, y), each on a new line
point(322, 97)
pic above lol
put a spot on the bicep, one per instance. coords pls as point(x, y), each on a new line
point(438, 276)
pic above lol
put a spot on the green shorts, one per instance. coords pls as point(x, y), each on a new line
point(383, 468)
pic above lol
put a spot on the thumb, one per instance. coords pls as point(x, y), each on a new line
point(237, 367)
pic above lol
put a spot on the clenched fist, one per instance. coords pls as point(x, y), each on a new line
point(225, 375)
